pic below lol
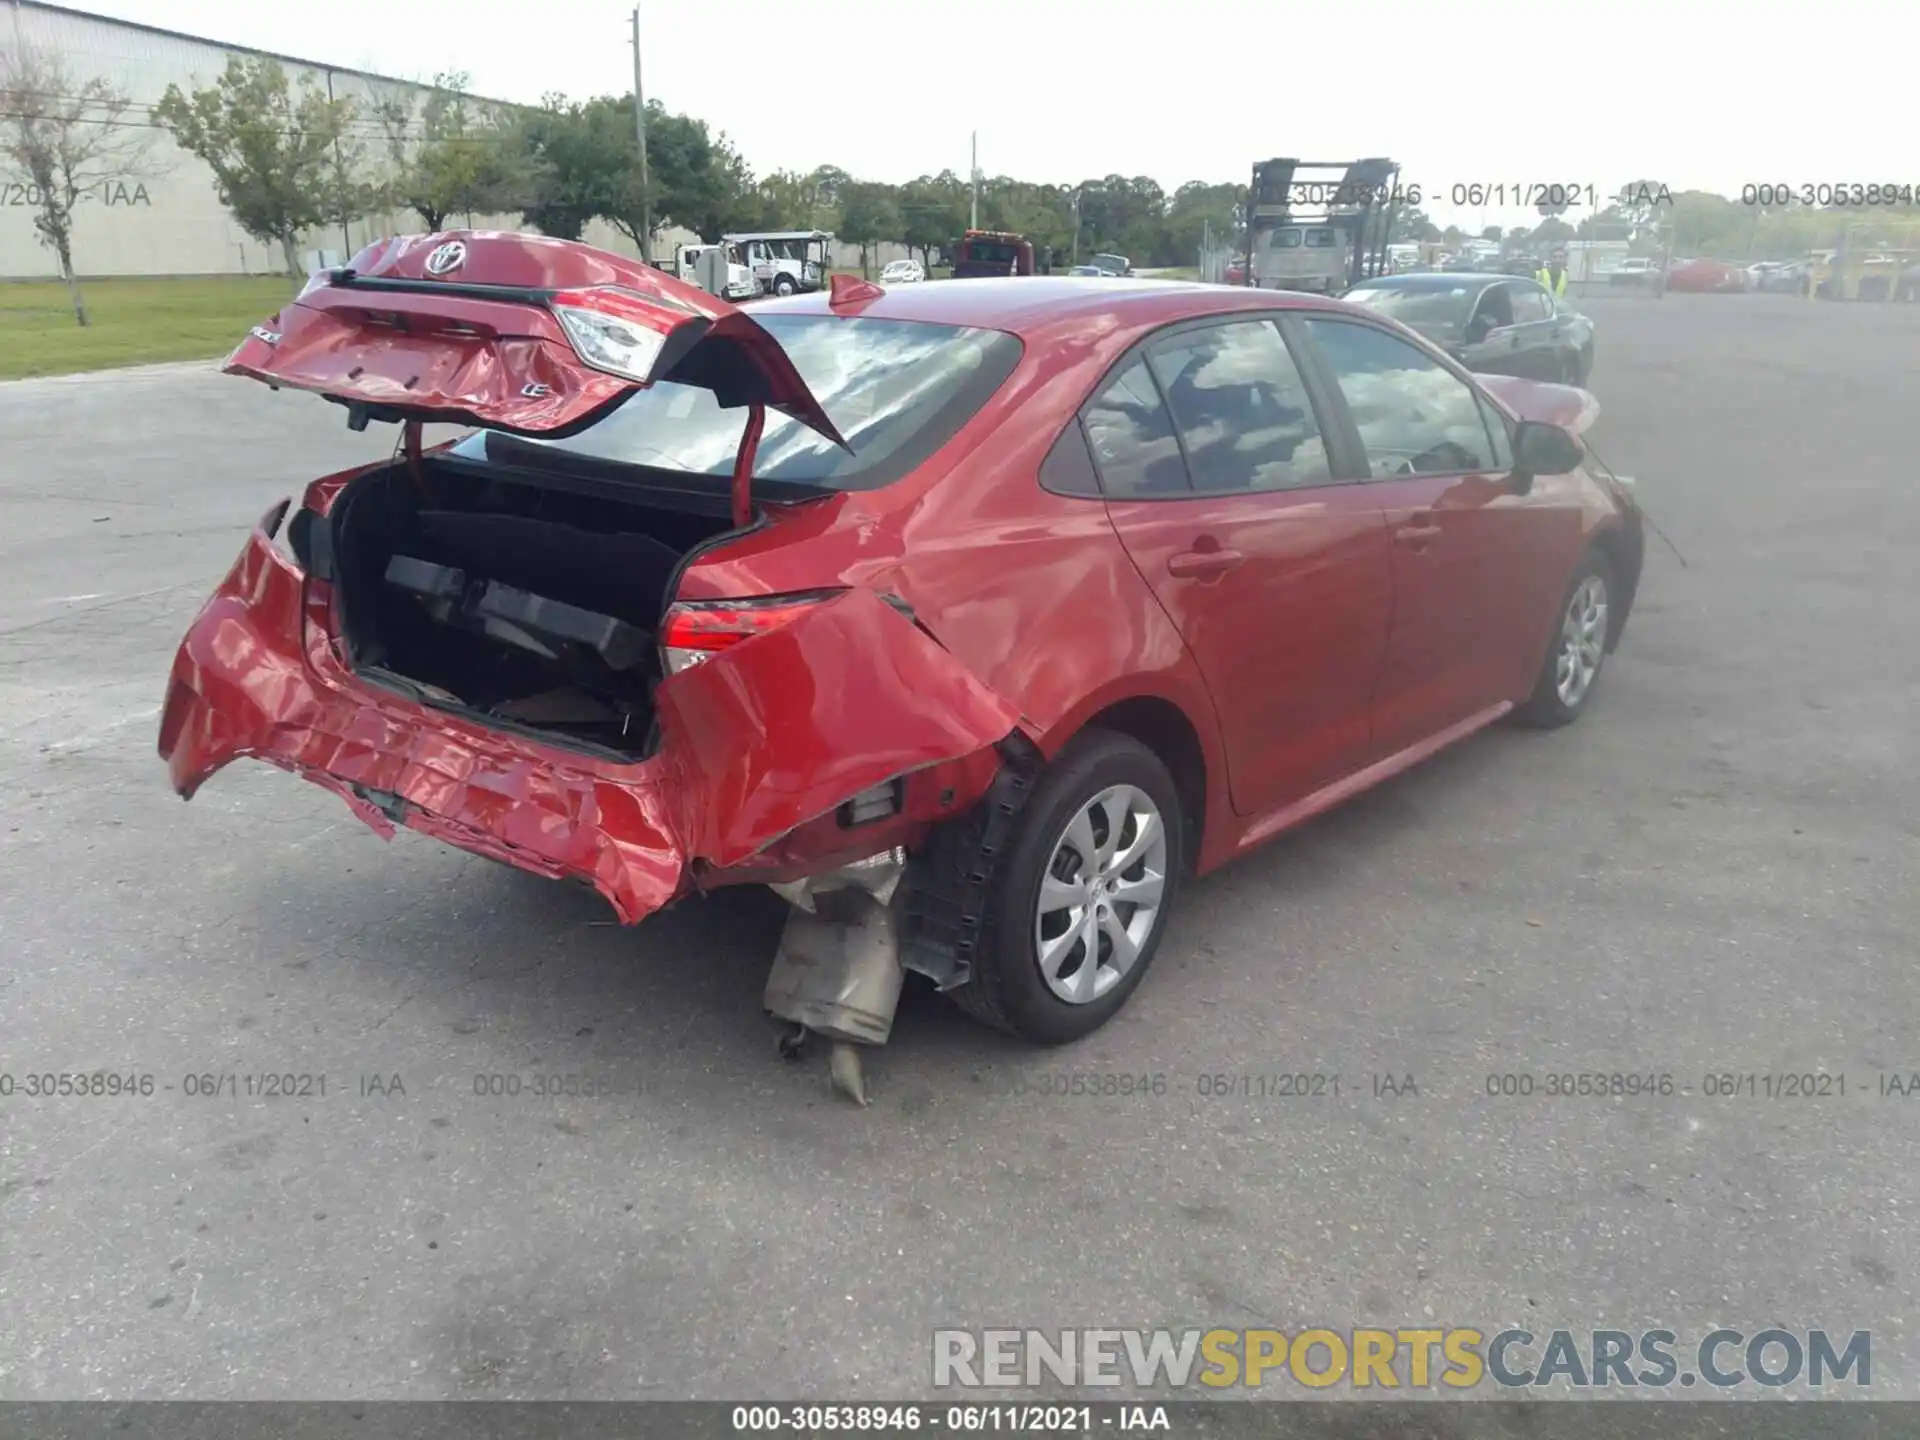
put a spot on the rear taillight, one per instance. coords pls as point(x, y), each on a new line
point(615, 330)
point(697, 630)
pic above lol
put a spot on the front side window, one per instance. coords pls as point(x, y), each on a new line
point(1415, 416)
point(1241, 409)
point(1530, 303)
point(1132, 438)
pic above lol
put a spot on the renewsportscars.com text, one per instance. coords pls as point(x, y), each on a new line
point(1457, 1357)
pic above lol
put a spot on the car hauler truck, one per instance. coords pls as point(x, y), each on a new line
point(1320, 225)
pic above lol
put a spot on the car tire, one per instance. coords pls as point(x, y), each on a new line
point(783, 285)
point(1098, 776)
point(1577, 649)
point(1583, 365)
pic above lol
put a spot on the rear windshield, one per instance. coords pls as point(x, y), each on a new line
point(896, 389)
point(990, 252)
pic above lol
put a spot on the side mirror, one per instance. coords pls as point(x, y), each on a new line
point(1541, 449)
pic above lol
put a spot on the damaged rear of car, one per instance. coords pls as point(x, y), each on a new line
point(495, 643)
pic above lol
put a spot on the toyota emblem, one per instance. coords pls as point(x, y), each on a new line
point(447, 258)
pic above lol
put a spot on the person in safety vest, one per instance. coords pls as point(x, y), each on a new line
point(1554, 276)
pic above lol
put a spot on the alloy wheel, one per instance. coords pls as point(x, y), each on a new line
point(1583, 638)
point(1101, 894)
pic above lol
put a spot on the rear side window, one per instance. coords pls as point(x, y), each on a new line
point(896, 389)
point(1132, 439)
point(1241, 409)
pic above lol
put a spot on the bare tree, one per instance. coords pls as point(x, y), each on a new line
point(61, 137)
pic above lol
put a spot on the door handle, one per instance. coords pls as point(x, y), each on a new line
point(1419, 534)
point(1202, 564)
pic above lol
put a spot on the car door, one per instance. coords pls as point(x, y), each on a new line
point(1466, 548)
point(1269, 556)
point(1492, 341)
point(1538, 326)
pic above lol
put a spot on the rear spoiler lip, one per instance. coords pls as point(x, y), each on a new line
point(467, 289)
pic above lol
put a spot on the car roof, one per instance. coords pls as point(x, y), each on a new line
point(1433, 280)
point(1028, 304)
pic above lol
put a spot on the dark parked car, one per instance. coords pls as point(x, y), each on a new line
point(1012, 603)
point(1492, 324)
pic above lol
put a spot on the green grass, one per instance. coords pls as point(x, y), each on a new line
point(135, 322)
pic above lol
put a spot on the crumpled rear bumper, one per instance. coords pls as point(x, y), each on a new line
point(760, 745)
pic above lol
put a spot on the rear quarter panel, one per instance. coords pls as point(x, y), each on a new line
point(1033, 592)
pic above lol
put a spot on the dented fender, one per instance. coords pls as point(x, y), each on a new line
point(782, 729)
point(759, 745)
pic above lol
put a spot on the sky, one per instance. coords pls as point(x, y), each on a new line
point(1694, 93)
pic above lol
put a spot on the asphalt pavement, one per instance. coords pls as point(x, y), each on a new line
point(1717, 872)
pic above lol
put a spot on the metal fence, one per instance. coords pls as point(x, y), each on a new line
point(1216, 254)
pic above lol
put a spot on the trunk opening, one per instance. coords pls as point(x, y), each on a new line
point(530, 606)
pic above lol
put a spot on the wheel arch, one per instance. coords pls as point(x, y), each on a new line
point(1624, 549)
point(1166, 729)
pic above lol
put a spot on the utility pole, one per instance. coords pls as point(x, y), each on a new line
point(1076, 224)
point(973, 215)
point(640, 130)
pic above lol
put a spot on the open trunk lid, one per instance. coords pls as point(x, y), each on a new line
point(520, 333)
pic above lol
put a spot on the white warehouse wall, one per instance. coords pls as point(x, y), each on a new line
point(169, 221)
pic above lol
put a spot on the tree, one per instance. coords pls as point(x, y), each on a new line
point(1638, 205)
point(933, 213)
point(1414, 224)
point(284, 161)
point(868, 215)
point(457, 156)
point(1125, 216)
point(1451, 237)
point(1552, 231)
point(1199, 209)
point(61, 139)
point(580, 160)
point(1492, 232)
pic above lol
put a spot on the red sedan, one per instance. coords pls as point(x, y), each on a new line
point(1000, 606)
point(1707, 277)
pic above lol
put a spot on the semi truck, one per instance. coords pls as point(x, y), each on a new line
point(785, 261)
point(718, 269)
point(992, 252)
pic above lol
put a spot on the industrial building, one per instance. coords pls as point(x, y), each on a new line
point(167, 219)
